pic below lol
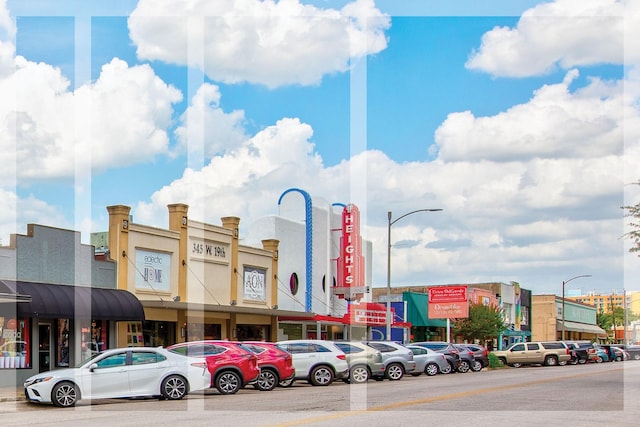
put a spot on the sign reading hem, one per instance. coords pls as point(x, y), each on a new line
point(448, 302)
point(154, 269)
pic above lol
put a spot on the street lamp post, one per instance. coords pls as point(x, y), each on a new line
point(564, 282)
point(389, 224)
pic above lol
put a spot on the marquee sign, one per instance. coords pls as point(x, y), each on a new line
point(351, 284)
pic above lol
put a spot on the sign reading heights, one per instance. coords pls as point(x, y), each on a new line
point(448, 302)
point(350, 284)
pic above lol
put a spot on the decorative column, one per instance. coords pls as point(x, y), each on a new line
point(179, 222)
point(119, 222)
point(232, 223)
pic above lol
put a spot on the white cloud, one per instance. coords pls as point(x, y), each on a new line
point(265, 42)
point(205, 123)
point(507, 204)
point(245, 181)
point(17, 212)
point(555, 123)
point(565, 33)
point(119, 120)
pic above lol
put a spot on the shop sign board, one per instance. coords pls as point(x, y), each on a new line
point(368, 314)
point(448, 302)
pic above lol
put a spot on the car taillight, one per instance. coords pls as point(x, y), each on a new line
point(342, 356)
point(486, 352)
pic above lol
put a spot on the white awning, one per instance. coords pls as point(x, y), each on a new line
point(581, 327)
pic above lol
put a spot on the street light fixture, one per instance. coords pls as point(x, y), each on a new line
point(564, 282)
point(389, 224)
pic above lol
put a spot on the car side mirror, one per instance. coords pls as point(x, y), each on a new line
point(93, 367)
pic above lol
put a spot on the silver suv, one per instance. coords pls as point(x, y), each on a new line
point(319, 362)
point(397, 359)
point(364, 361)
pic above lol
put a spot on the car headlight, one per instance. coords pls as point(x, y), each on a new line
point(36, 381)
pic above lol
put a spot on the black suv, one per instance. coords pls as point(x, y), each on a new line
point(450, 352)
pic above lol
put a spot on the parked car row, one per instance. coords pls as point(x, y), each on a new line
point(228, 366)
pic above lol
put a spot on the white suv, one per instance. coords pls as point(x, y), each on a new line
point(318, 361)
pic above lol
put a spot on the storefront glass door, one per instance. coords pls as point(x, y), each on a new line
point(45, 348)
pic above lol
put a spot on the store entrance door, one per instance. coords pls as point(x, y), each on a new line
point(45, 348)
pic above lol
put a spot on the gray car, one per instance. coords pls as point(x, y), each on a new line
point(428, 361)
point(364, 362)
point(397, 359)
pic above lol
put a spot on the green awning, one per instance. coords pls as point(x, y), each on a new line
point(417, 310)
point(510, 333)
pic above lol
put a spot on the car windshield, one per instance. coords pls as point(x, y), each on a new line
point(88, 359)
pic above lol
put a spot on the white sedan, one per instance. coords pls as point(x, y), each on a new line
point(120, 373)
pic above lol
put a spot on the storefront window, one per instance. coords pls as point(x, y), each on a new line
point(15, 343)
point(94, 337)
point(62, 345)
point(203, 331)
point(252, 332)
point(158, 333)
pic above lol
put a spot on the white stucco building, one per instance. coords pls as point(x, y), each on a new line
point(309, 232)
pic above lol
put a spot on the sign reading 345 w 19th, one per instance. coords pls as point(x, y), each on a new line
point(448, 302)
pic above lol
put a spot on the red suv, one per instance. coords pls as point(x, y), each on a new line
point(231, 366)
point(275, 364)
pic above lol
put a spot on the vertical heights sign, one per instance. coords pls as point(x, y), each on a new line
point(350, 284)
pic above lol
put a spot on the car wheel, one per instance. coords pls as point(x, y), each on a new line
point(394, 372)
point(516, 365)
point(431, 369)
point(447, 369)
point(599, 359)
point(64, 395)
point(174, 387)
point(321, 375)
point(477, 366)
point(286, 383)
point(228, 382)
point(464, 366)
point(582, 361)
point(551, 361)
point(359, 374)
point(267, 381)
point(636, 356)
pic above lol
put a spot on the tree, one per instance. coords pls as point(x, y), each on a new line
point(484, 322)
point(608, 320)
point(633, 212)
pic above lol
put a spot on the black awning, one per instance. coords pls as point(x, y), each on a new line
point(74, 302)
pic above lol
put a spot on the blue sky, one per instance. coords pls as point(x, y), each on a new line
point(509, 115)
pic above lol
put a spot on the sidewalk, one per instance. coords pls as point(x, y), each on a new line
point(11, 394)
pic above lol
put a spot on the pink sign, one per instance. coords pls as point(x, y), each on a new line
point(448, 302)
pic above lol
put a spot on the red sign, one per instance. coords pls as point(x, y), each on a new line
point(448, 302)
point(370, 314)
point(351, 284)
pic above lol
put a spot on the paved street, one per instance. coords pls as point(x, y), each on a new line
point(586, 395)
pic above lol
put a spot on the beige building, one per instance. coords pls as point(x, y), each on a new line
point(605, 302)
point(549, 324)
point(194, 280)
